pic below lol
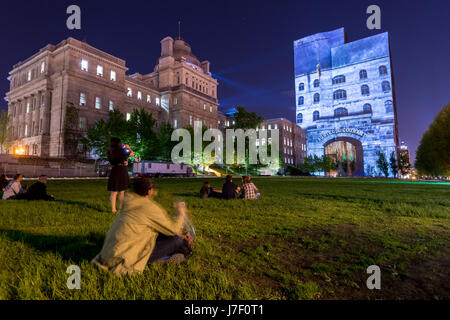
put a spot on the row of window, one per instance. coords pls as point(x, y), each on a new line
point(343, 112)
point(24, 131)
point(382, 70)
point(196, 84)
point(139, 96)
point(28, 105)
point(29, 75)
point(342, 94)
point(84, 65)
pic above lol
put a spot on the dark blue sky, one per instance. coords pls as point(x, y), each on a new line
point(249, 44)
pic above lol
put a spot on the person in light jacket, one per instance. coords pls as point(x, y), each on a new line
point(14, 189)
point(142, 233)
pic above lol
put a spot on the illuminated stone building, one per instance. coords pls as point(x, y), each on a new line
point(180, 89)
point(345, 99)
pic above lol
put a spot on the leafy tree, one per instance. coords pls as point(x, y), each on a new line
point(141, 136)
point(246, 120)
point(5, 130)
point(403, 163)
point(382, 163)
point(433, 153)
point(164, 142)
point(72, 135)
point(393, 164)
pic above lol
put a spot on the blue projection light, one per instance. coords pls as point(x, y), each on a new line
point(345, 100)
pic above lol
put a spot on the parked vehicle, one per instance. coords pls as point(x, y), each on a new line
point(164, 169)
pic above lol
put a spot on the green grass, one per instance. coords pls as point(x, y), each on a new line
point(306, 238)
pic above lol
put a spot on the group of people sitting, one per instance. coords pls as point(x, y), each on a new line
point(231, 190)
point(13, 190)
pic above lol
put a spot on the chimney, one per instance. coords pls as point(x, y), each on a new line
point(167, 47)
point(205, 66)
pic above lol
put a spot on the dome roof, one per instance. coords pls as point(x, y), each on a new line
point(182, 49)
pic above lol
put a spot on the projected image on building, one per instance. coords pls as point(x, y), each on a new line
point(345, 99)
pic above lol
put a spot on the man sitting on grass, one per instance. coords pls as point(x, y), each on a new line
point(229, 189)
point(38, 190)
point(142, 233)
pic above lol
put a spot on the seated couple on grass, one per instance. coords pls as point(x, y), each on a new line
point(37, 191)
point(143, 233)
point(230, 190)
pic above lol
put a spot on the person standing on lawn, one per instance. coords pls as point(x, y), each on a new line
point(229, 189)
point(14, 189)
point(118, 180)
point(143, 233)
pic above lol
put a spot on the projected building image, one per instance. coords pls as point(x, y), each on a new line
point(345, 99)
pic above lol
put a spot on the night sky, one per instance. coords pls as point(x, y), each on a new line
point(249, 44)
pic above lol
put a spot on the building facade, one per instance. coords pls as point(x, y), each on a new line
point(345, 99)
point(73, 73)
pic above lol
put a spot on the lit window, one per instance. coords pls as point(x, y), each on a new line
point(365, 90)
point(149, 99)
point(386, 86)
point(111, 105)
point(190, 120)
point(175, 123)
point(362, 74)
point(316, 83)
point(98, 103)
point(382, 70)
point(26, 130)
point(210, 108)
point(82, 99)
point(139, 95)
point(113, 75)
point(128, 116)
point(129, 92)
point(175, 100)
point(316, 98)
point(204, 106)
point(301, 101)
point(81, 123)
point(100, 70)
point(42, 67)
point(84, 65)
point(29, 75)
point(157, 101)
point(275, 126)
point(301, 86)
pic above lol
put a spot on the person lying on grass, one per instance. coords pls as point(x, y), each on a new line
point(143, 233)
point(249, 190)
point(208, 192)
point(38, 190)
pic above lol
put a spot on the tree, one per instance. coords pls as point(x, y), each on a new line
point(382, 163)
point(403, 163)
point(164, 142)
point(72, 135)
point(5, 131)
point(433, 153)
point(393, 164)
point(246, 120)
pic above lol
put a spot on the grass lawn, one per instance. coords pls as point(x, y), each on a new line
point(306, 238)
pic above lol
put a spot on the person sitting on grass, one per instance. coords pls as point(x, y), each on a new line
point(249, 190)
point(14, 189)
point(208, 192)
point(143, 233)
point(229, 189)
point(38, 190)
